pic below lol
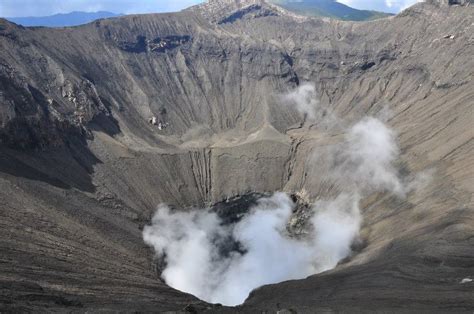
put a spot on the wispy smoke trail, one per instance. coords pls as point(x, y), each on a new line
point(364, 162)
point(304, 99)
point(195, 244)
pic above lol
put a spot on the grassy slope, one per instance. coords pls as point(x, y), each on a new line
point(329, 8)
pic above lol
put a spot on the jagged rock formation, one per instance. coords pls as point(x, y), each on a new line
point(450, 2)
point(82, 168)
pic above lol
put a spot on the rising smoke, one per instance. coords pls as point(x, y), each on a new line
point(194, 244)
point(304, 99)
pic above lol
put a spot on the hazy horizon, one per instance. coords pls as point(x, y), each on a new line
point(42, 8)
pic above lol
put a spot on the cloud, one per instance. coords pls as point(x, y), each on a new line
point(400, 5)
point(21, 8)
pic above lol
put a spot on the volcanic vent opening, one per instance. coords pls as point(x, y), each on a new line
point(221, 254)
point(221, 257)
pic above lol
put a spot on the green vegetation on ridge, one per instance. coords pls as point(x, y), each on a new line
point(328, 8)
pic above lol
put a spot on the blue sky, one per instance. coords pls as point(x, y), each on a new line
point(15, 8)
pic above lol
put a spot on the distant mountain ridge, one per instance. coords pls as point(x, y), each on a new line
point(313, 8)
point(328, 8)
point(63, 19)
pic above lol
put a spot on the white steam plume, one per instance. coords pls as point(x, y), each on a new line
point(223, 263)
point(191, 243)
point(366, 159)
point(304, 99)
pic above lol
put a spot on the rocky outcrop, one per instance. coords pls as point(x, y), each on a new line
point(39, 113)
point(225, 11)
point(450, 2)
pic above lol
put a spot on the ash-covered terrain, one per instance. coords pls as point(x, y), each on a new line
point(101, 123)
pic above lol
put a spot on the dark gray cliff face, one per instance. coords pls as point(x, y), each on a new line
point(82, 168)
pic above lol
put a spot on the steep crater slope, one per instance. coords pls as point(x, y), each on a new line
point(82, 169)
